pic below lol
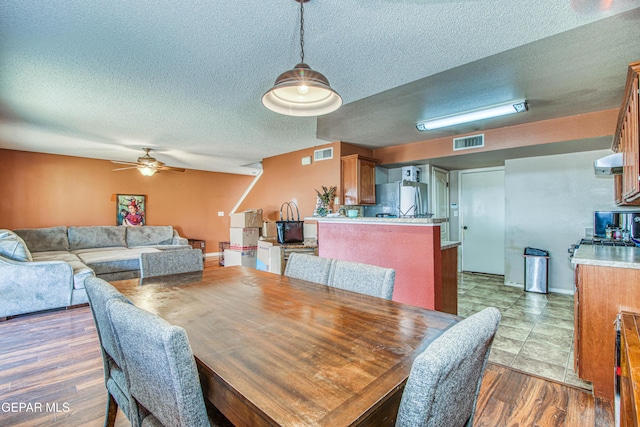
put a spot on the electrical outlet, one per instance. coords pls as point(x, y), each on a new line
point(220, 213)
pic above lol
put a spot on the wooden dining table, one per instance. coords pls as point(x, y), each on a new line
point(277, 351)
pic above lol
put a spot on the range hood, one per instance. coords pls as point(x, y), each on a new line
point(609, 165)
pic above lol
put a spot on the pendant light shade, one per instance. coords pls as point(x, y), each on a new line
point(302, 91)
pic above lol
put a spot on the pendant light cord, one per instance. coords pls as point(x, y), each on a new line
point(301, 30)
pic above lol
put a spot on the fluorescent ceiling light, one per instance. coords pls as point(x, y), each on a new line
point(512, 107)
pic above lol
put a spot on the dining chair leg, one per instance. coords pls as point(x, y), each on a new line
point(112, 410)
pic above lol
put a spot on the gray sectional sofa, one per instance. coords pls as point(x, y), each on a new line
point(45, 268)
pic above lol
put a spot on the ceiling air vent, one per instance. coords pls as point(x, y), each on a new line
point(473, 141)
point(324, 154)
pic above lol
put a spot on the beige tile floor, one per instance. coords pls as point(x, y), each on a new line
point(536, 330)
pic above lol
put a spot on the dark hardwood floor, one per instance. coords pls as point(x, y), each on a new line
point(51, 375)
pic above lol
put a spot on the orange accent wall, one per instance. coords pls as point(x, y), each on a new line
point(285, 179)
point(43, 190)
point(582, 126)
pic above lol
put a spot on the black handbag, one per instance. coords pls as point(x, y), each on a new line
point(290, 230)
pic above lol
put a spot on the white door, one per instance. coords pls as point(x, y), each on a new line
point(440, 198)
point(482, 220)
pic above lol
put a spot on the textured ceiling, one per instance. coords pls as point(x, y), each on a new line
point(101, 79)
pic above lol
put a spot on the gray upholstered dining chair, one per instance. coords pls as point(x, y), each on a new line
point(363, 278)
point(309, 267)
point(170, 262)
point(99, 293)
point(160, 370)
point(445, 379)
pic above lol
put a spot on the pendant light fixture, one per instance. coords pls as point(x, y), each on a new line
point(302, 91)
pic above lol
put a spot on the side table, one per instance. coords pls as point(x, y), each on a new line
point(199, 244)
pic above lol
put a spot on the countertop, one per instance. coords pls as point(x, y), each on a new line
point(447, 244)
point(607, 256)
point(374, 220)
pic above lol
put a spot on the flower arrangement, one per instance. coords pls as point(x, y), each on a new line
point(325, 198)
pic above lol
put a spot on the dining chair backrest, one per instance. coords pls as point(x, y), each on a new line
point(309, 267)
point(99, 293)
point(445, 379)
point(160, 368)
point(363, 278)
point(171, 261)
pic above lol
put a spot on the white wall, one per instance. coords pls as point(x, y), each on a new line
point(549, 202)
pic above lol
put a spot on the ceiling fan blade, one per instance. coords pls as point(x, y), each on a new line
point(124, 169)
point(169, 168)
point(124, 163)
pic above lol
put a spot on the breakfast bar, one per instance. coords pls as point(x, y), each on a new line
point(426, 267)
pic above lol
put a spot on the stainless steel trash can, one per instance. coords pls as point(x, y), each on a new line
point(536, 270)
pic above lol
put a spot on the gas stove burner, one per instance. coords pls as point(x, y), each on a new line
point(606, 242)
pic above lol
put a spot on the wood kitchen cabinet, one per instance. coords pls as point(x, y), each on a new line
point(627, 141)
point(629, 369)
point(601, 293)
point(358, 180)
point(447, 301)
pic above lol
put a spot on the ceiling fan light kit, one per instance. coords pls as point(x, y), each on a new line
point(302, 91)
point(513, 107)
point(147, 171)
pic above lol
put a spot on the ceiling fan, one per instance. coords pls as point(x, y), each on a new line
point(147, 165)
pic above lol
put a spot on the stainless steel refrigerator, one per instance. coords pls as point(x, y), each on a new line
point(400, 199)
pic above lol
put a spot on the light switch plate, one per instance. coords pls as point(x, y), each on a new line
point(220, 213)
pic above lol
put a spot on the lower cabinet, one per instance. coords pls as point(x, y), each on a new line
point(448, 299)
point(601, 293)
point(629, 369)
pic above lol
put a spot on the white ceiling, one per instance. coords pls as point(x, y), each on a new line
point(104, 78)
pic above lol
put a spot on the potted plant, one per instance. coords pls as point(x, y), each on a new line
point(324, 200)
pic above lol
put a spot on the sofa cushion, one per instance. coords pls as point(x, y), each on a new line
point(13, 247)
point(97, 236)
point(89, 250)
point(45, 239)
point(80, 272)
point(113, 261)
point(149, 235)
point(163, 247)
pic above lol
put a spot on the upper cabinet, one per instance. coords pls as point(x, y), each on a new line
point(626, 141)
point(358, 180)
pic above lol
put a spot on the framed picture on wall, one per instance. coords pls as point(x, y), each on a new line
point(130, 210)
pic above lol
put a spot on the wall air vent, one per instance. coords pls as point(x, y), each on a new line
point(473, 141)
point(324, 154)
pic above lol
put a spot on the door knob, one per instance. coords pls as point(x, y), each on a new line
point(464, 228)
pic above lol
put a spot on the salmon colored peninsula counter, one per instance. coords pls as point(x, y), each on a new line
point(426, 268)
